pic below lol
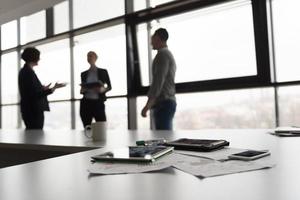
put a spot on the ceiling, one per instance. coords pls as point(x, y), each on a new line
point(13, 9)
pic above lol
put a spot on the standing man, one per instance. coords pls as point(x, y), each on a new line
point(161, 95)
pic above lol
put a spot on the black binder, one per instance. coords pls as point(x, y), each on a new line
point(198, 144)
point(92, 84)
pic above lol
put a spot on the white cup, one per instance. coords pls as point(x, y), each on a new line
point(96, 131)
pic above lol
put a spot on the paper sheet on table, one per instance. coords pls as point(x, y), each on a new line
point(220, 154)
point(129, 168)
point(203, 167)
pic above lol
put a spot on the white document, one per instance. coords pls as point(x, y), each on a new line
point(202, 167)
point(220, 154)
point(129, 168)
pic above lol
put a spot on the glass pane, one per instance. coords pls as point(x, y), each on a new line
point(59, 116)
point(158, 2)
point(289, 105)
point(143, 123)
point(222, 47)
point(92, 11)
point(78, 122)
point(33, 27)
point(110, 45)
point(252, 108)
point(141, 4)
point(142, 37)
point(9, 78)
point(9, 36)
point(54, 66)
point(10, 117)
point(61, 17)
point(287, 40)
point(116, 114)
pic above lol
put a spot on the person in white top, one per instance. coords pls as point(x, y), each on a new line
point(95, 83)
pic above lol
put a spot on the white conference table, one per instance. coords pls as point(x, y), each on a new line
point(66, 177)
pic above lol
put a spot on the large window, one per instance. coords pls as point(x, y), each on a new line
point(110, 46)
point(252, 108)
point(61, 17)
point(289, 105)
point(145, 58)
point(10, 117)
point(54, 66)
point(142, 4)
point(287, 40)
point(116, 114)
point(139, 5)
point(9, 78)
point(59, 116)
point(212, 43)
point(33, 27)
point(92, 11)
point(142, 122)
point(9, 36)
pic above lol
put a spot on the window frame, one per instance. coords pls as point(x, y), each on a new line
point(263, 77)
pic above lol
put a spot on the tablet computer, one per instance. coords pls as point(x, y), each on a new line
point(134, 153)
point(198, 144)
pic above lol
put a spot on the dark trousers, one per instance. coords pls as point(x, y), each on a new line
point(89, 109)
point(33, 121)
point(163, 114)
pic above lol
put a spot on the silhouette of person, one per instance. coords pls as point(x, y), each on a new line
point(161, 94)
point(33, 94)
point(95, 83)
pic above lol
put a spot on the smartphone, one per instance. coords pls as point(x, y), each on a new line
point(249, 155)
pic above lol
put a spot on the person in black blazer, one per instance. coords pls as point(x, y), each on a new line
point(33, 94)
point(95, 83)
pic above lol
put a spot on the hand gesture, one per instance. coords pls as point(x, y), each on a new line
point(100, 89)
point(144, 111)
point(46, 87)
point(58, 85)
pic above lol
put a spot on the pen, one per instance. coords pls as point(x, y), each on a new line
point(151, 142)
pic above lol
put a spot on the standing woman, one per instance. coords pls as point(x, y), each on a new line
point(33, 94)
point(95, 83)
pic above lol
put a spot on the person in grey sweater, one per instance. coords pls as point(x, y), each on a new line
point(161, 94)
